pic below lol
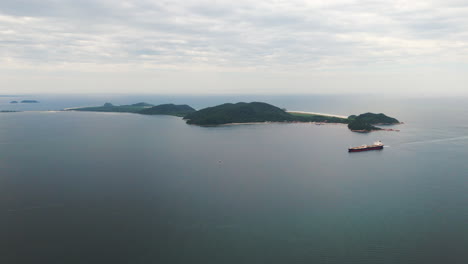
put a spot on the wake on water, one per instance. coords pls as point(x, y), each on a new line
point(436, 140)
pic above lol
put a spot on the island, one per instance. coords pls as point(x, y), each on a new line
point(29, 102)
point(109, 107)
point(248, 113)
point(168, 109)
point(13, 102)
point(140, 108)
point(255, 112)
point(366, 122)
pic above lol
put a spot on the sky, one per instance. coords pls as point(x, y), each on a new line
point(216, 47)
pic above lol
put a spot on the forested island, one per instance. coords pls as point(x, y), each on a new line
point(245, 113)
point(366, 122)
point(109, 107)
point(140, 108)
point(256, 112)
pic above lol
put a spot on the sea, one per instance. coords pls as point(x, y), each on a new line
point(84, 187)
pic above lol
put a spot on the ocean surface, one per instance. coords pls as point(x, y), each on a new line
point(82, 187)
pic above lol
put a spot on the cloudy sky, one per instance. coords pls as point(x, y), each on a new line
point(263, 46)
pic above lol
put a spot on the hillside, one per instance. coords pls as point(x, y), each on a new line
point(108, 107)
point(168, 109)
point(375, 119)
point(365, 122)
point(361, 126)
point(239, 113)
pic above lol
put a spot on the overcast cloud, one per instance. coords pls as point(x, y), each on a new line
point(198, 46)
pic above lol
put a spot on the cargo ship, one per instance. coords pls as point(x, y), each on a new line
point(376, 146)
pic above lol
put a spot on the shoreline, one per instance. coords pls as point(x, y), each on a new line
point(267, 123)
point(375, 130)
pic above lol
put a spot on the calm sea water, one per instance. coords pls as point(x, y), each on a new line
point(80, 187)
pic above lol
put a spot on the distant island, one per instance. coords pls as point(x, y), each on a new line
point(108, 107)
point(13, 102)
point(246, 113)
point(366, 122)
point(140, 108)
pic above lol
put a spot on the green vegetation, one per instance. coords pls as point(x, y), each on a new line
point(168, 109)
point(245, 113)
point(238, 113)
point(250, 113)
point(108, 107)
point(365, 122)
point(375, 119)
point(141, 108)
point(360, 125)
point(142, 104)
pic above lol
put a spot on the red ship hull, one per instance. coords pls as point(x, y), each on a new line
point(365, 149)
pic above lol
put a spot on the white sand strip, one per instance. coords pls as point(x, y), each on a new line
point(314, 113)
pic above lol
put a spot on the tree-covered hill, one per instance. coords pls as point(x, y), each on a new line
point(250, 113)
point(375, 119)
point(108, 107)
point(238, 113)
point(365, 122)
point(168, 109)
point(141, 108)
point(361, 126)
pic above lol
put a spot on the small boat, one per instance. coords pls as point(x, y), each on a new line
point(376, 146)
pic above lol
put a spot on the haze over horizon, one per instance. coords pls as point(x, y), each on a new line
point(201, 47)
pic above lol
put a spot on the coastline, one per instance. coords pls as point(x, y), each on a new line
point(266, 123)
point(376, 130)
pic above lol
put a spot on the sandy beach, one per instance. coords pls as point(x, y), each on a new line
point(314, 113)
